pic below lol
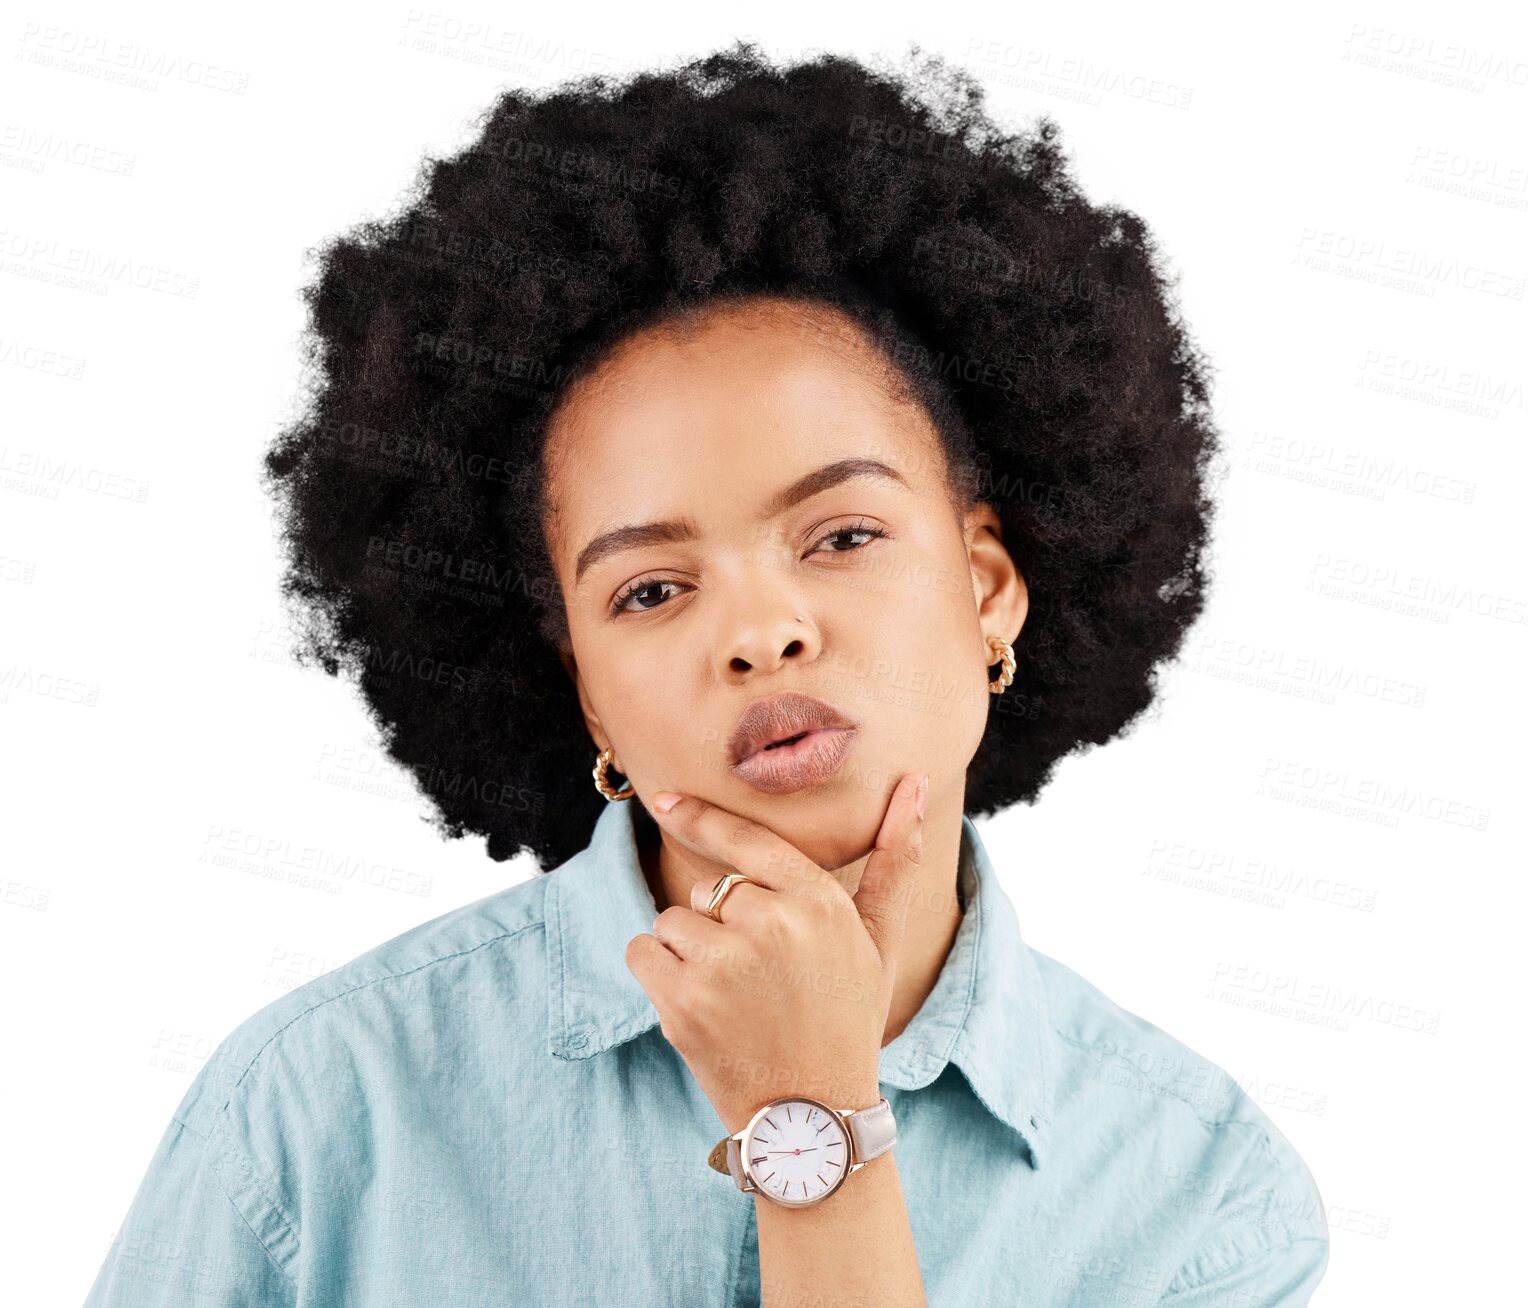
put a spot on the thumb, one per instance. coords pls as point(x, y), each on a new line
point(892, 868)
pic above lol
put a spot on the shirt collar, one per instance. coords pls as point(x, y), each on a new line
point(986, 1013)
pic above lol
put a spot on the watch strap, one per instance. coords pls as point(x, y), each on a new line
point(735, 1163)
point(874, 1130)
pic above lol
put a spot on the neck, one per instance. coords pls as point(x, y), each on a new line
point(933, 915)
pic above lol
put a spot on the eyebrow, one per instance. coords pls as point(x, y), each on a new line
point(681, 529)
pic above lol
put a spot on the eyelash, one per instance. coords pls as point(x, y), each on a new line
point(642, 583)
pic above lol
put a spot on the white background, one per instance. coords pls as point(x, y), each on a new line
point(1302, 856)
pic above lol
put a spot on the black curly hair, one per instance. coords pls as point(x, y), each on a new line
point(1039, 330)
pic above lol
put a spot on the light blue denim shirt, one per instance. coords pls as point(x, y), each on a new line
point(484, 1111)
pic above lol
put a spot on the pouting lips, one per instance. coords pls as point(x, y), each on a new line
point(810, 757)
point(780, 722)
point(775, 744)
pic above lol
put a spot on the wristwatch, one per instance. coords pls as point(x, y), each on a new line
point(797, 1151)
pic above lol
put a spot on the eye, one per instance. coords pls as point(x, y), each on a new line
point(637, 587)
point(633, 590)
point(860, 529)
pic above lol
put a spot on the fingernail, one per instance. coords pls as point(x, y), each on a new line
point(922, 795)
point(665, 800)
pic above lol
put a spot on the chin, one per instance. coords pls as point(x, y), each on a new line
point(830, 850)
point(833, 832)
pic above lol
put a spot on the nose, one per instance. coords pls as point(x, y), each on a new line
point(763, 644)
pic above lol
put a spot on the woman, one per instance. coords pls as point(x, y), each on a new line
point(814, 461)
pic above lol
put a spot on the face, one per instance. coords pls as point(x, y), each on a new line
point(811, 546)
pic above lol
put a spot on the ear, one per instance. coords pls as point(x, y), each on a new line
point(1002, 597)
point(591, 718)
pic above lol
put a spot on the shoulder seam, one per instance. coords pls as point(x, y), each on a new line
point(1273, 1162)
point(1187, 1287)
point(1174, 1094)
point(230, 1148)
point(185, 1125)
point(364, 985)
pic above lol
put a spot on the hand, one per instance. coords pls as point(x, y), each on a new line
point(789, 993)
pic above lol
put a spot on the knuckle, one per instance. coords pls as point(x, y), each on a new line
point(678, 1023)
point(778, 931)
point(694, 814)
point(704, 1009)
point(792, 865)
point(829, 898)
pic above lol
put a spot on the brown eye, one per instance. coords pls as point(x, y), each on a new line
point(636, 588)
point(861, 529)
point(633, 590)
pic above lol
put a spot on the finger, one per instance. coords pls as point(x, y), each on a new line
point(693, 936)
point(658, 970)
point(892, 869)
point(745, 846)
point(747, 895)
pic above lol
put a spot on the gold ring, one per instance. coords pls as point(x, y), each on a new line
point(714, 904)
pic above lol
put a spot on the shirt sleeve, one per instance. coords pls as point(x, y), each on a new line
point(185, 1242)
point(1284, 1276)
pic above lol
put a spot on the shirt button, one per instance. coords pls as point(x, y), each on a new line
point(578, 1040)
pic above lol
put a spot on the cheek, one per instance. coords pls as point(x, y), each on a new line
point(668, 739)
point(640, 696)
point(921, 679)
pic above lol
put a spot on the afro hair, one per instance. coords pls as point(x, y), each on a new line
point(1038, 329)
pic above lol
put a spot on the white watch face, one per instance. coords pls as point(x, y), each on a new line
point(796, 1152)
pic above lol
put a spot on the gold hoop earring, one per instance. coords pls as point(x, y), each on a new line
point(1004, 652)
point(603, 782)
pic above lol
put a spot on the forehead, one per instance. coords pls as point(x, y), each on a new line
point(723, 411)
